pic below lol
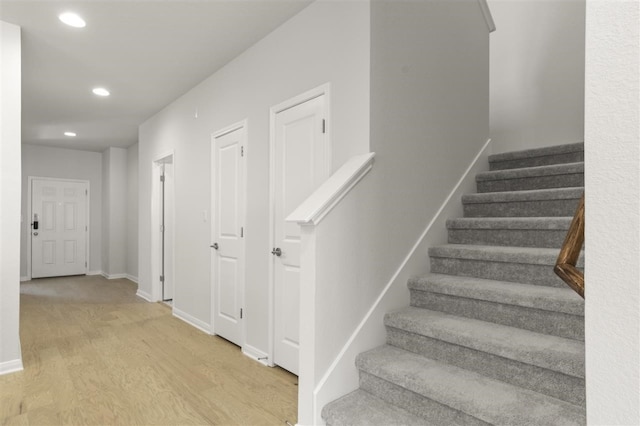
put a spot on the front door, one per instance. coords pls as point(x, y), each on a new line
point(59, 228)
point(300, 164)
point(227, 165)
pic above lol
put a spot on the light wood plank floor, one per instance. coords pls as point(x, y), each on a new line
point(95, 354)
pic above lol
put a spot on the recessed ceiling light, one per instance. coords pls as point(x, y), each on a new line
point(72, 19)
point(70, 134)
point(101, 91)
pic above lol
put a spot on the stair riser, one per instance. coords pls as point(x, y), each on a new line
point(546, 322)
point(509, 237)
point(539, 182)
point(568, 157)
point(535, 208)
point(428, 409)
point(500, 271)
point(557, 385)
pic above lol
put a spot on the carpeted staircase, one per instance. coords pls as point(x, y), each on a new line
point(492, 336)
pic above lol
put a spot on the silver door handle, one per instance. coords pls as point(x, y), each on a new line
point(277, 251)
point(214, 246)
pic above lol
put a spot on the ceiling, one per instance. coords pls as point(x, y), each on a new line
point(146, 53)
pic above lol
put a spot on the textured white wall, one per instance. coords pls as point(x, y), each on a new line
point(115, 199)
point(537, 73)
point(612, 156)
point(326, 42)
point(10, 119)
point(65, 164)
point(132, 212)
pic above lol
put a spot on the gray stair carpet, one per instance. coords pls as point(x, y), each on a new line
point(491, 335)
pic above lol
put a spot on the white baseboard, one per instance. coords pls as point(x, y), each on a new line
point(131, 278)
point(256, 355)
point(94, 272)
point(23, 279)
point(113, 276)
point(11, 366)
point(144, 295)
point(342, 377)
point(199, 324)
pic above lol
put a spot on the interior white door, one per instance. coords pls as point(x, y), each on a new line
point(300, 164)
point(167, 230)
point(59, 244)
point(227, 233)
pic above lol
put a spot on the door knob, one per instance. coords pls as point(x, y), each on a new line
point(35, 234)
point(214, 246)
point(277, 251)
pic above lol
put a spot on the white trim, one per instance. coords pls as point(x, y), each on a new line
point(144, 295)
point(30, 180)
point(325, 90)
point(334, 189)
point(486, 12)
point(256, 355)
point(195, 322)
point(23, 279)
point(131, 278)
point(94, 272)
point(418, 249)
point(12, 366)
point(113, 276)
point(243, 213)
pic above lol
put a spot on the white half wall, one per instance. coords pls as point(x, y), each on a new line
point(537, 73)
point(10, 140)
point(65, 164)
point(612, 234)
point(327, 42)
point(132, 213)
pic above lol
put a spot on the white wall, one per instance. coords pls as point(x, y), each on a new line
point(114, 212)
point(10, 119)
point(429, 119)
point(65, 164)
point(327, 42)
point(612, 178)
point(132, 213)
point(537, 73)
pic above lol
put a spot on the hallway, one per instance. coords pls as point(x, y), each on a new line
point(94, 353)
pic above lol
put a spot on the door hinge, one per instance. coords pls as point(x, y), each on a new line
point(161, 178)
point(86, 192)
point(324, 126)
point(242, 232)
point(242, 151)
point(85, 264)
point(161, 228)
point(161, 278)
point(240, 313)
point(85, 229)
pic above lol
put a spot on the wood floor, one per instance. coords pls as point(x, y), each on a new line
point(95, 354)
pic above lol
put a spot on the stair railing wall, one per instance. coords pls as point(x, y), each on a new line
point(566, 264)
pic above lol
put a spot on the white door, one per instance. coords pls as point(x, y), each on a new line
point(301, 164)
point(227, 254)
point(59, 228)
point(167, 230)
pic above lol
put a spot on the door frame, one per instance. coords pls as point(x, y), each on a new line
point(156, 246)
point(243, 208)
point(316, 92)
point(30, 180)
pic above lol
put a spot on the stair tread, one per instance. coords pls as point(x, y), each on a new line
point(544, 298)
point(362, 408)
point(524, 195)
point(531, 172)
point(487, 399)
point(541, 350)
point(537, 152)
point(507, 254)
point(544, 223)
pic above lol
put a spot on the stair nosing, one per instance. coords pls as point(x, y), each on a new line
point(500, 254)
point(511, 223)
point(548, 151)
point(528, 195)
point(521, 172)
